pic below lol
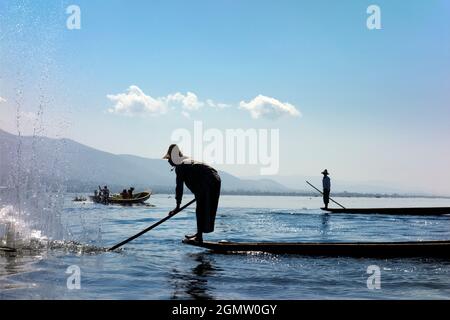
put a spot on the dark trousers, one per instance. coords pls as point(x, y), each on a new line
point(207, 203)
point(326, 196)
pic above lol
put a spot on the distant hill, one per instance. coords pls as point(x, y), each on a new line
point(298, 183)
point(82, 168)
point(346, 188)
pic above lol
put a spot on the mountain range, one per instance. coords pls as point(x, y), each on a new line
point(82, 168)
point(79, 168)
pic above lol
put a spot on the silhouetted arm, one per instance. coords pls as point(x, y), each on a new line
point(179, 188)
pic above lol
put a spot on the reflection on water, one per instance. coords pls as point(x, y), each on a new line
point(194, 284)
point(325, 226)
point(12, 264)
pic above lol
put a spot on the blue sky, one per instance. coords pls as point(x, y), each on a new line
point(374, 104)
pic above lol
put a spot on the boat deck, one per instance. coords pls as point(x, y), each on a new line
point(426, 211)
point(439, 249)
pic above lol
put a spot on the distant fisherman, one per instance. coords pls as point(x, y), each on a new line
point(326, 183)
point(204, 182)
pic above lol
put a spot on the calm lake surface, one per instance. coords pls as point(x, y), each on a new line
point(158, 266)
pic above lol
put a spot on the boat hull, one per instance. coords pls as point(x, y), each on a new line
point(437, 249)
point(7, 249)
point(430, 211)
point(138, 198)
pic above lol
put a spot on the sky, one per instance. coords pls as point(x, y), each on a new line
point(368, 105)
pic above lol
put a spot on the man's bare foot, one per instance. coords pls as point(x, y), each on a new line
point(196, 237)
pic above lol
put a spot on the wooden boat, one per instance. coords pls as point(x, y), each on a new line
point(437, 249)
point(117, 198)
point(7, 249)
point(137, 198)
point(424, 211)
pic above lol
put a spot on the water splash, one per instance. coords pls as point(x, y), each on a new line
point(14, 232)
point(18, 234)
point(32, 203)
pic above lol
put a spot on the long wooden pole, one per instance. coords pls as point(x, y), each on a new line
point(151, 227)
point(322, 194)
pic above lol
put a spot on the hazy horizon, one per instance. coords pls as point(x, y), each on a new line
point(297, 183)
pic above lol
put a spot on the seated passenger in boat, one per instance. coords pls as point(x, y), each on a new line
point(130, 193)
point(105, 194)
point(124, 194)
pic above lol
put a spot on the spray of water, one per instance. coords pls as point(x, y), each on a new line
point(32, 202)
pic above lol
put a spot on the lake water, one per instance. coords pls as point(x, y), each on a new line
point(158, 266)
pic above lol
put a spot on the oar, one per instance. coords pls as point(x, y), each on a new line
point(322, 193)
point(151, 227)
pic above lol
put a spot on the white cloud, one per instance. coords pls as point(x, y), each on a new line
point(2, 100)
point(213, 104)
point(267, 107)
point(136, 102)
point(188, 102)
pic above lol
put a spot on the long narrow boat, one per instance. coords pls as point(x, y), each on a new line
point(7, 249)
point(438, 249)
point(424, 211)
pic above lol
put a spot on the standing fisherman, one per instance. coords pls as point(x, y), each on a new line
point(326, 183)
point(203, 181)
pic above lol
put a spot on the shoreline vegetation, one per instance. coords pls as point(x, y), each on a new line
point(88, 188)
point(343, 194)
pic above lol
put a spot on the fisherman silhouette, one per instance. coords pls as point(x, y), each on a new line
point(203, 181)
point(326, 184)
